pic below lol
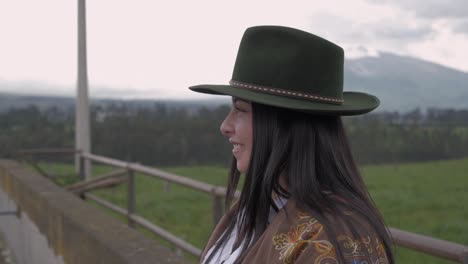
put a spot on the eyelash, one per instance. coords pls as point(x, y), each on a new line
point(239, 109)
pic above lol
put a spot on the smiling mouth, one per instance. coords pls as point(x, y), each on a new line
point(236, 147)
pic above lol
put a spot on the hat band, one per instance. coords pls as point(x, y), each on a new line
point(282, 92)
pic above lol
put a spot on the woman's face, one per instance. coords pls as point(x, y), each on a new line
point(237, 126)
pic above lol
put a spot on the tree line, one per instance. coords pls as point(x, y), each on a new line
point(161, 135)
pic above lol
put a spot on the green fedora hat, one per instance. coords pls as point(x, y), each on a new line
point(293, 69)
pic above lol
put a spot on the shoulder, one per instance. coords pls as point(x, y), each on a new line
point(219, 229)
point(304, 239)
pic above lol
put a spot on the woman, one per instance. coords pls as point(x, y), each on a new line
point(303, 199)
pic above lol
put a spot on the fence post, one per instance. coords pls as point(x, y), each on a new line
point(178, 252)
point(50, 175)
point(217, 209)
point(166, 186)
point(465, 256)
point(130, 198)
point(81, 169)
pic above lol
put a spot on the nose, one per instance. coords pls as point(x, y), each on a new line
point(227, 128)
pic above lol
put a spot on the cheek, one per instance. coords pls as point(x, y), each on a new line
point(248, 137)
point(244, 131)
point(249, 140)
point(250, 134)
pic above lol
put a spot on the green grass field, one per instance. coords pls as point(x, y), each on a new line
point(427, 198)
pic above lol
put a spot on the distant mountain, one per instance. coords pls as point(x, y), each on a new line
point(404, 83)
point(401, 83)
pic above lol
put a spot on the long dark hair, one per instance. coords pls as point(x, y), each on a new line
point(314, 154)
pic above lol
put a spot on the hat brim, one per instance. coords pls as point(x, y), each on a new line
point(355, 103)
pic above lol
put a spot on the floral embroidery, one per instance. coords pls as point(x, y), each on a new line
point(292, 244)
point(357, 250)
point(307, 231)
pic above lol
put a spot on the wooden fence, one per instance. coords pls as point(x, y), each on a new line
point(424, 244)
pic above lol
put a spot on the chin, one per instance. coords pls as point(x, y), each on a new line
point(241, 168)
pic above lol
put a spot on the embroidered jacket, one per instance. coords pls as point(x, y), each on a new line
point(294, 236)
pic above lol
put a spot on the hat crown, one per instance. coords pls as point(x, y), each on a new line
point(290, 60)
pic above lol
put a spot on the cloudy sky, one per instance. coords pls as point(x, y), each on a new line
point(156, 49)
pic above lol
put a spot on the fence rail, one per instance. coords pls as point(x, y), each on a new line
point(424, 244)
point(153, 172)
point(431, 246)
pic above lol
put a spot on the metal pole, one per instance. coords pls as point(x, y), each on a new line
point(82, 127)
point(130, 198)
